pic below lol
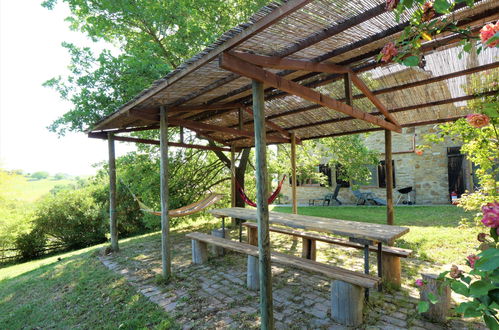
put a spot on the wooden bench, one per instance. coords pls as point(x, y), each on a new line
point(347, 287)
point(391, 268)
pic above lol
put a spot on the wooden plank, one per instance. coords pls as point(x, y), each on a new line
point(293, 174)
point(372, 231)
point(389, 177)
point(330, 271)
point(202, 108)
point(266, 21)
point(289, 64)
point(278, 128)
point(232, 63)
point(262, 207)
point(166, 261)
point(113, 226)
point(388, 250)
point(156, 142)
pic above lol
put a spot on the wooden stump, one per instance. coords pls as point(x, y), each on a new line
point(218, 251)
point(439, 311)
point(347, 303)
point(391, 271)
point(308, 249)
point(252, 236)
point(199, 252)
point(252, 277)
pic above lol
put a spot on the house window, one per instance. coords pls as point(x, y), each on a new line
point(340, 170)
point(382, 174)
point(326, 170)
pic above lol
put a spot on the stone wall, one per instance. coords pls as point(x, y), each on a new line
point(427, 174)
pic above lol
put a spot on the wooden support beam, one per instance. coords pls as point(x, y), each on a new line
point(232, 63)
point(347, 79)
point(233, 177)
point(293, 173)
point(156, 142)
point(276, 127)
point(289, 64)
point(166, 260)
point(194, 125)
point(389, 177)
point(113, 226)
point(266, 309)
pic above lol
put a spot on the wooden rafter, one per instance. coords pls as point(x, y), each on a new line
point(239, 66)
point(156, 142)
point(270, 123)
point(289, 64)
point(201, 108)
point(195, 125)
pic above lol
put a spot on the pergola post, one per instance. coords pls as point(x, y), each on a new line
point(233, 180)
point(266, 309)
point(293, 173)
point(113, 227)
point(165, 221)
point(389, 177)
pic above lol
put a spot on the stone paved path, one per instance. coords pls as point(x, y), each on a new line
point(214, 295)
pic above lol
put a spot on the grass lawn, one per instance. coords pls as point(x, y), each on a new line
point(75, 292)
point(23, 189)
point(434, 233)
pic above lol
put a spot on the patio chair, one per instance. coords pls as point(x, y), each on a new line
point(367, 197)
point(333, 197)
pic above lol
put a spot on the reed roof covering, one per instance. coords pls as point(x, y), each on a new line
point(202, 96)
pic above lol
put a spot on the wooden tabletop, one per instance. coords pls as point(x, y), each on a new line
point(371, 231)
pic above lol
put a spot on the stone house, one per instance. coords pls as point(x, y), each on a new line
point(433, 175)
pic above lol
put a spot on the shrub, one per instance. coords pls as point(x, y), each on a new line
point(72, 217)
point(39, 175)
point(30, 245)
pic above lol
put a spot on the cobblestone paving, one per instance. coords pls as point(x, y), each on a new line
point(214, 295)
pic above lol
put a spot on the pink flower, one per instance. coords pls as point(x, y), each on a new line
point(477, 120)
point(388, 52)
point(419, 282)
point(488, 32)
point(391, 4)
point(491, 215)
point(472, 259)
point(455, 272)
point(418, 152)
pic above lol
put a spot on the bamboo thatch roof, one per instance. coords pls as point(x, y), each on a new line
point(349, 33)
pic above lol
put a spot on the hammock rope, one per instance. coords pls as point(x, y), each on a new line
point(271, 198)
point(182, 211)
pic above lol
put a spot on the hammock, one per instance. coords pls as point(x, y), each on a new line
point(182, 211)
point(270, 199)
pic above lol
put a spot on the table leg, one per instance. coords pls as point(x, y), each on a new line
point(240, 230)
point(366, 266)
point(380, 264)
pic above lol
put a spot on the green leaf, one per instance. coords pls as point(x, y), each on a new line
point(480, 288)
point(466, 279)
point(432, 298)
point(423, 306)
point(460, 288)
point(441, 6)
point(491, 322)
point(494, 295)
point(411, 61)
point(487, 263)
point(471, 311)
point(493, 231)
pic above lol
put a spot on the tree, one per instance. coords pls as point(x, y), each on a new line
point(154, 37)
point(40, 175)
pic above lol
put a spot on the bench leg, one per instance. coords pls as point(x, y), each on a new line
point(199, 252)
point(391, 271)
point(252, 277)
point(308, 249)
point(217, 250)
point(347, 303)
point(253, 236)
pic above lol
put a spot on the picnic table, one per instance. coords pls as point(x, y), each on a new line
point(365, 233)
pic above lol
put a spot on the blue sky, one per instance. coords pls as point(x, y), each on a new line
point(31, 53)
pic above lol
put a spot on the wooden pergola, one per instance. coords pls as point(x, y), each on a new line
point(304, 69)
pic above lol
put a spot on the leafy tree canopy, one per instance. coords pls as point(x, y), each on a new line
point(153, 37)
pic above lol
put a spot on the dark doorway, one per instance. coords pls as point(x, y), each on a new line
point(456, 170)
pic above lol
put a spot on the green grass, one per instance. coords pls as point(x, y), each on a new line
point(435, 234)
point(75, 292)
point(24, 189)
